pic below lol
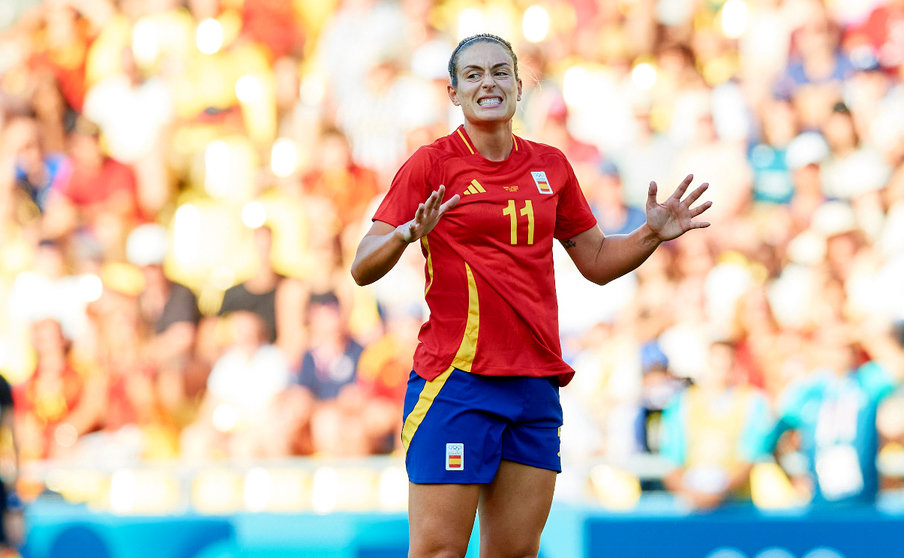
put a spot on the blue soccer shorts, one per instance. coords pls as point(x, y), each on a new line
point(460, 425)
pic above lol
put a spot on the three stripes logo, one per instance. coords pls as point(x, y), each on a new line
point(474, 188)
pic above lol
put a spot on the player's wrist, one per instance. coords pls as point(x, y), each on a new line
point(650, 236)
point(405, 233)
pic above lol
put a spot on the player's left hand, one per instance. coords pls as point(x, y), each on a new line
point(675, 216)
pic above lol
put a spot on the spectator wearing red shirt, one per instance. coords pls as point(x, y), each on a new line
point(95, 192)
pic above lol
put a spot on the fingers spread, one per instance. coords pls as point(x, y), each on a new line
point(683, 186)
point(701, 208)
point(435, 200)
point(695, 195)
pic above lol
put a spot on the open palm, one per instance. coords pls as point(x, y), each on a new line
point(428, 214)
point(675, 216)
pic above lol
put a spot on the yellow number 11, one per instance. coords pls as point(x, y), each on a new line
point(526, 211)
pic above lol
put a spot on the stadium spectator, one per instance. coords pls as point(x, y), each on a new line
point(331, 361)
point(714, 432)
point(817, 67)
point(131, 423)
point(833, 408)
point(49, 289)
point(336, 177)
point(853, 170)
point(61, 400)
point(269, 294)
point(607, 201)
point(328, 372)
point(768, 156)
point(133, 112)
point(36, 168)
point(169, 315)
point(94, 194)
point(235, 418)
point(383, 370)
point(658, 388)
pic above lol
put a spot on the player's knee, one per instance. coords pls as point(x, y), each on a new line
point(508, 548)
point(508, 553)
point(438, 551)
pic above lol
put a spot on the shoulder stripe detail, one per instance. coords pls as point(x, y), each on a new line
point(464, 358)
point(426, 246)
point(462, 136)
point(424, 402)
point(515, 140)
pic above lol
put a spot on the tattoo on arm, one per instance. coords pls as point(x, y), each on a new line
point(569, 243)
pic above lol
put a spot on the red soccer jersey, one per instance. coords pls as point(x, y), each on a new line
point(490, 285)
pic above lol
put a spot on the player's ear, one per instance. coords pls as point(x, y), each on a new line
point(453, 95)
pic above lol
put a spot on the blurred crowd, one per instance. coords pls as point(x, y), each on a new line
point(183, 184)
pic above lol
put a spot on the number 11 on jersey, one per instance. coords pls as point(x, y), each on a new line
point(526, 211)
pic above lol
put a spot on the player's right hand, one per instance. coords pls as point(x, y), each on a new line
point(428, 215)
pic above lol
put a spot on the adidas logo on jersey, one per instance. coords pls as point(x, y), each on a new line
point(474, 188)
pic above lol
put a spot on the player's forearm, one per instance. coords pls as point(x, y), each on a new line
point(376, 255)
point(621, 254)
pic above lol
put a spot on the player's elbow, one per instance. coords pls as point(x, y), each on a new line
point(596, 277)
point(365, 272)
point(361, 278)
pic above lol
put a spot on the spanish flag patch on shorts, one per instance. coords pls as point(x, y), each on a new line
point(455, 457)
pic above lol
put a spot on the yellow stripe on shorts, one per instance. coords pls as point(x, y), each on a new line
point(424, 402)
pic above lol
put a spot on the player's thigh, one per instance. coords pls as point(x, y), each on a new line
point(513, 510)
point(440, 519)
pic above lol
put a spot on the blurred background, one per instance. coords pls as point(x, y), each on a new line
point(191, 372)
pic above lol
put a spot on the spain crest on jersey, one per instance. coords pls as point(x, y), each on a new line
point(542, 182)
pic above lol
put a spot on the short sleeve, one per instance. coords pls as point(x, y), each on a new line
point(794, 398)
point(410, 186)
point(790, 405)
point(182, 306)
point(573, 214)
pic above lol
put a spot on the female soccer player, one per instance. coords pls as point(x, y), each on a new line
point(482, 411)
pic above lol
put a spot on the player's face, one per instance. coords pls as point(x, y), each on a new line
point(487, 90)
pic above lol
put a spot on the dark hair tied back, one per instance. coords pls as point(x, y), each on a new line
point(479, 38)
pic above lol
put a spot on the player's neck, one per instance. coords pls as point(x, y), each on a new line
point(492, 140)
